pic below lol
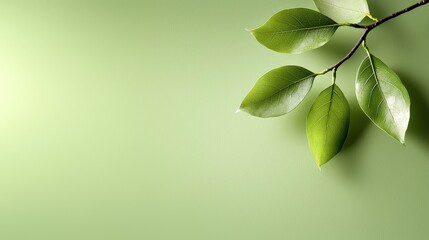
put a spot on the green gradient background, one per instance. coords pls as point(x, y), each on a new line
point(117, 122)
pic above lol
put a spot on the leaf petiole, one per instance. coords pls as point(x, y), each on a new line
point(372, 18)
point(366, 48)
point(334, 75)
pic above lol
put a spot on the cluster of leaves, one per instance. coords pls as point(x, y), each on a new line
point(379, 91)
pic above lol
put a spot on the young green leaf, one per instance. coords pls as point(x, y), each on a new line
point(278, 92)
point(344, 11)
point(295, 30)
point(328, 124)
point(383, 97)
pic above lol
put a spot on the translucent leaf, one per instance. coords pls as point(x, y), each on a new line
point(344, 11)
point(278, 92)
point(295, 31)
point(328, 124)
point(383, 97)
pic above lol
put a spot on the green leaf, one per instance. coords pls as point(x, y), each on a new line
point(344, 11)
point(383, 97)
point(295, 30)
point(328, 124)
point(278, 92)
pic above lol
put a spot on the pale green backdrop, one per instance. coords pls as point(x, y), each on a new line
point(117, 122)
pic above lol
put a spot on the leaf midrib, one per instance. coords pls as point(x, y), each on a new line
point(303, 29)
point(379, 88)
point(283, 88)
point(329, 113)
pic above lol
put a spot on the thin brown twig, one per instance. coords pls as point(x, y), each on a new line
point(369, 28)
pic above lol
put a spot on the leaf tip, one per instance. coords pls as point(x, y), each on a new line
point(401, 140)
point(238, 110)
point(320, 163)
point(252, 31)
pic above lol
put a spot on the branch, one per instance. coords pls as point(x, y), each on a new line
point(396, 14)
point(369, 28)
